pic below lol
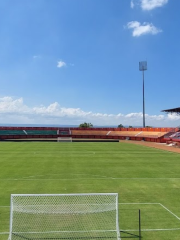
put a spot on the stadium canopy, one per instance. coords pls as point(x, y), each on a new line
point(172, 110)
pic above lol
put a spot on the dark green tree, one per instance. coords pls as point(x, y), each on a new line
point(86, 125)
point(120, 126)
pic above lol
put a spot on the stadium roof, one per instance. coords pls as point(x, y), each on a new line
point(172, 110)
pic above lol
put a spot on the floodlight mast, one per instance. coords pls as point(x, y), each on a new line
point(142, 68)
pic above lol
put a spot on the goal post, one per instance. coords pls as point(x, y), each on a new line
point(64, 216)
point(64, 139)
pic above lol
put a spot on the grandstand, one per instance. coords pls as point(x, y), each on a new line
point(173, 137)
point(160, 135)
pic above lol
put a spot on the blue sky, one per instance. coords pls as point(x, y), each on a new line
point(72, 61)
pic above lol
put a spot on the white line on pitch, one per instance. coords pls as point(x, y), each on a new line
point(73, 179)
point(150, 230)
point(154, 203)
point(144, 178)
point(132, 230)
point(138, 203)
point(170, 211)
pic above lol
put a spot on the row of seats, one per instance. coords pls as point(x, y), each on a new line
point(44, 132)
point(12, 132)
point(88, 132)
point(137, 134)
point(28, 132)
point(119, 133)
point(175, 135)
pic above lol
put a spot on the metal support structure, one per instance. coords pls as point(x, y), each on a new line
point(144, 124)
point(140, 224)
point(143, 67)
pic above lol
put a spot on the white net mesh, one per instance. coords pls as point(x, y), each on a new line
point(73, 216)
point(64, 139)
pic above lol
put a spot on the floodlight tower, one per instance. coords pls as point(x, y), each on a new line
point(142, 68)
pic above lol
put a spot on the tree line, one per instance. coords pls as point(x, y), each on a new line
point(90, 125)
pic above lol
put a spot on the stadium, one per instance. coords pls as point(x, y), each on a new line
point(148, 134)
point(67, 62)
point(86, 166)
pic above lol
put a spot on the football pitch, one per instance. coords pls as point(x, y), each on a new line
point(145, 178)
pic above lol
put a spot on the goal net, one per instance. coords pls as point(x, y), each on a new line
point(64, 139)
point(64, 216)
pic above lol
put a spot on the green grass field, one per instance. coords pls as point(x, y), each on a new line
point(145, 178)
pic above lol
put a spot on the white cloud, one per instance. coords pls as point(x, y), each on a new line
point(10, 105)
point(36, 56)
point(151, 4)
point(173, 116)
point(142, 29)
point(132, 4)
point(61, 64)
point(14, 111)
